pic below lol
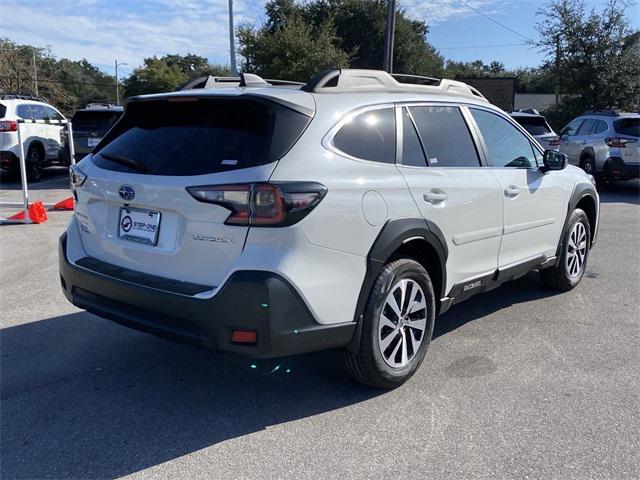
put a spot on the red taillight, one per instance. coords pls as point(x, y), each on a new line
point(244, 336)
point(8, 126)
point(262, 204)
point(618, 142)
point(554, 142)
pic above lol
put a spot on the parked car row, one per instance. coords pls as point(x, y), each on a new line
point(45, 144)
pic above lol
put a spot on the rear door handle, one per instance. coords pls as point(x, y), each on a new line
point(512, 191)
point(434, 197)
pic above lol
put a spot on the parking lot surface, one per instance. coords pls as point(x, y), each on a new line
point(519, 382)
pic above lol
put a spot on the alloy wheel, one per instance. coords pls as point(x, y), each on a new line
point(576, 250)
point(403, 320)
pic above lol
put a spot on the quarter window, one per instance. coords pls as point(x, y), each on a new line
point(507, 146)
point(24, 112)
point(445, 137)
point(370, 135)
point(412, 153)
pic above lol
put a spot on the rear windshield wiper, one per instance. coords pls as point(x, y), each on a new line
point(129, 162)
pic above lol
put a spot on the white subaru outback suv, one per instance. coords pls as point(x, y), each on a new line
point(343, 214)
point(43, 140)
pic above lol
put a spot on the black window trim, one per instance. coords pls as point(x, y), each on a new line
point(465, 116)
point(328, 140)
point(485, 150)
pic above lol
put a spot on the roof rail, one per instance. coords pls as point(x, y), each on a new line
point(19, 96)
point(356, 80)
point(605, 112)
point(101, 105)
point(244, 80)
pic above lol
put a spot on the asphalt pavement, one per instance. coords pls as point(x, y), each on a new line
point(520, 382)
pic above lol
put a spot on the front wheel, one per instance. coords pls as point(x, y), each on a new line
point(35, 164)
point(576, 241)
point(397, 326)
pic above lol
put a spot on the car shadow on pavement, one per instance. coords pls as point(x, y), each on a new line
point(524, 289)
point(621, 192)
point(85, 398)
point(50, 178)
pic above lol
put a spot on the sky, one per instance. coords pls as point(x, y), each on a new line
point(105, 30)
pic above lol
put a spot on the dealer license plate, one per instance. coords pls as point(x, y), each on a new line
point(138, 225)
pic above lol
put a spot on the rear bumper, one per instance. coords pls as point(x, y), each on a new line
point(250, 300)
point(617, 169)
point(9, 162)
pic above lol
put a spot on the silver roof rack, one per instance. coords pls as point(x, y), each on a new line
point(355, 80)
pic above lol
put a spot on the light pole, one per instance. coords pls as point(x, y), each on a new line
point(117, 86)
point(232, 43)
point(387, 62)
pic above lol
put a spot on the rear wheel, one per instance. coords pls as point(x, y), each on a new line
point(568, 271)
point(397, 326)
point(588, 165)
point(35, 163)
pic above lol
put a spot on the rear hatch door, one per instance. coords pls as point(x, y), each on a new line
point(134, 210)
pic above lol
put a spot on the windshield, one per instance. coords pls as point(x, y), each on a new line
point(534, 125)
point(197, 136)
point(86, 121)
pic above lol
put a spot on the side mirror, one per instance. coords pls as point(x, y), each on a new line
point(554, 160)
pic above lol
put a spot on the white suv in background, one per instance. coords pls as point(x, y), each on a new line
point(537, 126)
point(342, 214)
point(43, 142)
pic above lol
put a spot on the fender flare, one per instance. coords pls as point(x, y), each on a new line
point(393, 234)
point(580, 191)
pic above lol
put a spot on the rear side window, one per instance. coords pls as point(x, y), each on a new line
point(627, 126)
point(507, 146)
point(586, 127)
point(445, 137)
point(534, 125)
point(599, 127)
point(94, 121)
point(25, 112)
point(198, 137)
point(370, 135)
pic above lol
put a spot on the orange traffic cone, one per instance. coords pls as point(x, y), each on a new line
point(37, 213)
point(66, 204)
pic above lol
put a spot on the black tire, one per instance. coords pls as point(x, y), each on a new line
point(368, 365)
point(559, 277)
point(588, 164)
point(35, 163)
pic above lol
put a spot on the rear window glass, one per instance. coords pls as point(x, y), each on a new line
point(370, 135)
point(445, 137)
point(628, 126)
point(534, 125)
point(199, 137)
point(94, 121)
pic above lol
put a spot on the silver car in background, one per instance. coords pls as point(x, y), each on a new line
point(537, 126)
point(605, 144)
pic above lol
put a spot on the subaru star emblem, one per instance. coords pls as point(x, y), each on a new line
point(127, 192)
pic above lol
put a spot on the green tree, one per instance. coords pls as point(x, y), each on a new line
point(597, 64)
point(168, 73)
point(350, 33)
point(287, 47)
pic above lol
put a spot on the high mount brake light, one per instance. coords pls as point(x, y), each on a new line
point(263, 204)
point(8, 126)
point(618, 142)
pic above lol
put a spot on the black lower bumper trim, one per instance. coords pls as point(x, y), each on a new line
point(617, 169)
point(250, 300)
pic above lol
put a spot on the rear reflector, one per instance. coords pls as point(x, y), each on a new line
point(243, 336)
